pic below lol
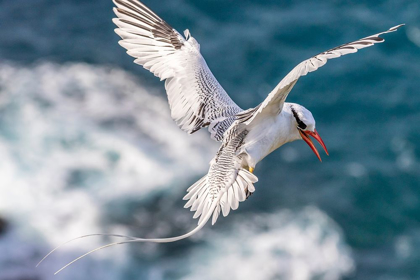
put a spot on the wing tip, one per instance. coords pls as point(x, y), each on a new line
point(392, 29)
point(116, 21)
point(395, 28)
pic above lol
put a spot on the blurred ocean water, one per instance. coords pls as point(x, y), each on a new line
point(87, 144)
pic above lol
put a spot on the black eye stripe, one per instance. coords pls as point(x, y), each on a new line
point(301, 124)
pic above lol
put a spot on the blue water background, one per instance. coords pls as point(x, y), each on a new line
point(367, 108)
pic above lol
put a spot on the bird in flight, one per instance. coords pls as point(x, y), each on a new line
point(197, 100)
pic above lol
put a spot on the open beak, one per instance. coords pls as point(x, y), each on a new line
point(315, 135)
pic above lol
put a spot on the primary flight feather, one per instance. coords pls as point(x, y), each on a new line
point(197, 100)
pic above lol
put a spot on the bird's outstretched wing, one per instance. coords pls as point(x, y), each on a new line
point(221, 190)
point(195, 97)
point(273, 104)
point(227, 182)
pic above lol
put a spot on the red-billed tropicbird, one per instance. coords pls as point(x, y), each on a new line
point(197, 100)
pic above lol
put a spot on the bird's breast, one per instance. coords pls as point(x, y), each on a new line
point(263, 138)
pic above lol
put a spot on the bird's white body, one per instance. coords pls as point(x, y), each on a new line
point(197, 100)
point(268, 134)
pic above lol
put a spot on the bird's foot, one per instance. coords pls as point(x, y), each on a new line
point(251, 170)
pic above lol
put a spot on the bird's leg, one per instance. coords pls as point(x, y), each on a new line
point(251, 169)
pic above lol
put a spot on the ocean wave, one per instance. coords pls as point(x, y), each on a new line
point(74, 139)
point(300, 245)
point(86, 148)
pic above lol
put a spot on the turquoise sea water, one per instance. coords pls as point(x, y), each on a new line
point(87, 144)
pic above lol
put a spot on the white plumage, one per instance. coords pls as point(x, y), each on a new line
point(195, 97)
point(277, 97)
point(197, 100)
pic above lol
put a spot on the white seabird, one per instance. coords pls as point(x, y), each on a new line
point(197, 100)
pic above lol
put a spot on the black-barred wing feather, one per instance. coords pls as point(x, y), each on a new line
point(195, 97)
point(273, 104)
point(226, 183)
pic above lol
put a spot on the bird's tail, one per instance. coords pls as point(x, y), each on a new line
point(131, 239)
point(205, 207)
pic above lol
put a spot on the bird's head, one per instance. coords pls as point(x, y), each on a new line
point(304, 123)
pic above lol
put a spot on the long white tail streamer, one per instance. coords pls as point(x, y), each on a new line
point(136, 239)
point(84, 236)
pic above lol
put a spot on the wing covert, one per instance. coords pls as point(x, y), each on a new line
point(273, 104)
point(196, 99)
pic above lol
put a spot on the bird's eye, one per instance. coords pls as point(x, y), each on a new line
point(300, 123)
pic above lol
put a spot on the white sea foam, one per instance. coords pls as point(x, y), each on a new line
point(282, 245)
point(73, 138)
point(76, 137)
point(413, 33)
